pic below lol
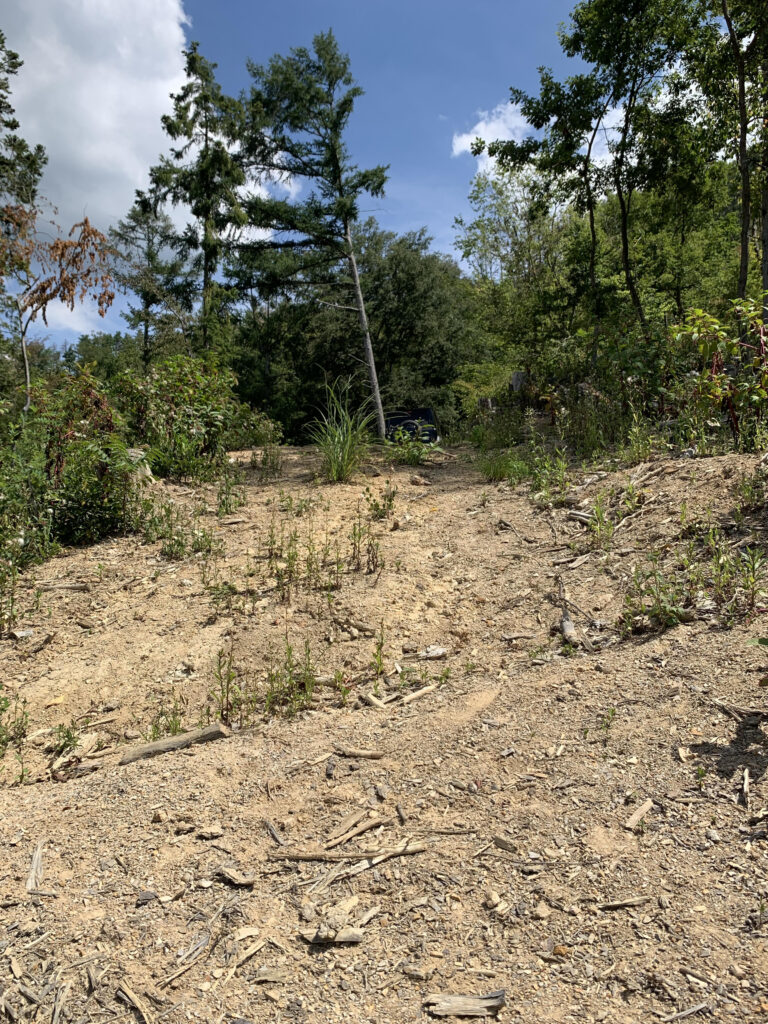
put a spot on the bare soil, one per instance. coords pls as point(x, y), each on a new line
point(511, 791)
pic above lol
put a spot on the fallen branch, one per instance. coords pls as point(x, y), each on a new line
point(169, 743)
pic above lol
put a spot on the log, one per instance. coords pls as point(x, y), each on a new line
point(217, 731)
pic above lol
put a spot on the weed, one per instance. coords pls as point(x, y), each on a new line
point(167, 522)
point(167, 721)
point(377, 664)
point(606, 722)
point(290, 683)
point(269, 463)
point(230, 497)
point(601, 525)
point(296, 507)
point(409, 449)
point(383, 506)
point(65, 739)
point(701, 774)
point(14, 728)
point(503, 465)
point(749, 492)
point(340, 436)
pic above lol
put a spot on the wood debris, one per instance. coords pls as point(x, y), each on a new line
point(440, 1005)
point(217, 731)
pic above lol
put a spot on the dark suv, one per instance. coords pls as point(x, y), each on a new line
point(421, 424)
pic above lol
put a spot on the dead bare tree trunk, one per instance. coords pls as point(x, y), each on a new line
point(367, 346)
point(25, 356)
point(743, 157)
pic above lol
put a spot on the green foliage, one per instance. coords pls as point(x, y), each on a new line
point(268, 462)
point(496, 466)
point(409, 450)
point(180, 534)
point(382, 506)
point(291, 681)
point(730, 376)
point(340, 436)
point(182, 410)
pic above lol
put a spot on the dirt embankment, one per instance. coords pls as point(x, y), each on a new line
point(466, 805)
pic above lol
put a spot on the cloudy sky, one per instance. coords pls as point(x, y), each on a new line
point(98, 74)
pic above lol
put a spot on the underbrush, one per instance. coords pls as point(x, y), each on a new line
point(68, 475)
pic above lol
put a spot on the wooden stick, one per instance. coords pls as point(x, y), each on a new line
point(382, 853)
point(700, 1008)
point(371, 755)
point(631, 901)
point(217, 731)
point(358, 830)
point(638, 816)
point(135, 1002)
point(419, 693)
point(374, 702)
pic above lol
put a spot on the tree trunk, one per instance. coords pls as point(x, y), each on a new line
point(367, 346)
point(743, 157)
point(624, 201)
point(25, 356)
point(764, 210)
point(145, 353)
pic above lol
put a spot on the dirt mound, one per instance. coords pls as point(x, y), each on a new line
point(462, 802)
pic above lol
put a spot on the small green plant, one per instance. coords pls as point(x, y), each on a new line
point(377, 663)
point(380, 507)
point(179, 535)
point(606, 721)
point(291, 681)
point(14, 729)
point(752, 572)
point(409, 449)
point(601, 524)
point(296, 507)
point(701, 774)
point(268, 463)
point(340, 436)
point(168, 721)
point(750, 492)
point(65, 739)
point(230, 496)
point(497, 466)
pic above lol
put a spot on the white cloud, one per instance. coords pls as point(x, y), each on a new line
point(96, 80)
point(503, 122)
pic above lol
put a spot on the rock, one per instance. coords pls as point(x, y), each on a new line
point(420, 481)
point(148, 896)
point(211, 832)
point(159, 817)
point(542, 911)
point(21, 634)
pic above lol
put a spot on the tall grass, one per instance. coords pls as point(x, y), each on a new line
point(340, 436)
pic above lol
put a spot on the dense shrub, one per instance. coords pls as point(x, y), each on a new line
point(182, 410)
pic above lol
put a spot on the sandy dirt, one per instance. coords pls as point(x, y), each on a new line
point(488, 845)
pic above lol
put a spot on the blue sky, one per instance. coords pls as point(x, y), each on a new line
point(428, 68)
point(436, 73)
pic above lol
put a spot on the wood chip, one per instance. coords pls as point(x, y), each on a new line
point(354, 752)
point(35, 876)
point(237, 878)
point(631, 823)
point(465, 1006)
